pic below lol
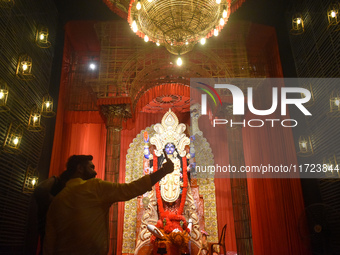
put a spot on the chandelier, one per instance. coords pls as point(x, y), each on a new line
point(178, 24)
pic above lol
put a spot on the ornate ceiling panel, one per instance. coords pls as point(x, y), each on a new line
point(121, 7)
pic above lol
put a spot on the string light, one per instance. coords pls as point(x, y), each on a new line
point(215, 32)
point(179, 61)
point(221, 21)
point(225, 13)
point(138, 6)
point(203, 41)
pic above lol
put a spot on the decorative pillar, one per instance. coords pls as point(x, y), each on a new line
point(239, 187)
point(113, 115)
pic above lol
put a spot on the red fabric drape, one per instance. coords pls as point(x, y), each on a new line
point(56, 165)
point(87, 139)
point(83, 132)
point(217, 138)
point(275, 204)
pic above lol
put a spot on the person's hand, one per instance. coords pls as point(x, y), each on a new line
point(168, 166)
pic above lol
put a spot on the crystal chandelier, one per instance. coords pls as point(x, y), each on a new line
point(177, 24)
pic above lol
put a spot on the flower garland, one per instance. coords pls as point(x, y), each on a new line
point(170, 215)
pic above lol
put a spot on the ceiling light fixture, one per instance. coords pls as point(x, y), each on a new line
point(177, 25)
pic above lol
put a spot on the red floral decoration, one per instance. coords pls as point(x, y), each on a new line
point(172, 220)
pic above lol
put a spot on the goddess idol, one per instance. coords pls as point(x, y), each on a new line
point(171, 213)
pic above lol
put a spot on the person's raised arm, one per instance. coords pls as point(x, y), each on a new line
point(114, 192)
point(167, 168)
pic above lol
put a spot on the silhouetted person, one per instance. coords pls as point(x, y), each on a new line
point(78, 218)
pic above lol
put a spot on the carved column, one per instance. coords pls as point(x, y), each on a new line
point(239, 188)
point(114, 116)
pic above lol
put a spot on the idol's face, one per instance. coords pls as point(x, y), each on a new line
point(169, 149)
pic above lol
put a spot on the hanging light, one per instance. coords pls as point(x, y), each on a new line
point(134, 27)
point(138, 6)
point(334, 102)
point(225, 13)
point(146, 38)
point(41, 37)
point(305, 146)
point(221, 21)
point(3, 96)
point(92, 64)
point(297, 24)
point(24, 67)
point(215, 32)
point(177, 25)
point(34, 124)
point(333, 14)
point(47, 107)
point(179, 60)
point(157, 43)
point(31, 180)
point(331, 165)
point(203, 40)
point(13, 138)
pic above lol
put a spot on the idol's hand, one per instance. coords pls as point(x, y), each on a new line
point(168, 166)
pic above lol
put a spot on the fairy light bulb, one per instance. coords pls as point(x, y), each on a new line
point(186, 43)
point(333, 14)
point(42, 36)
point(298, 21)
point(35, 118)
point(215, 32)
point(225, 13)
point(221, 21)
point(218, 1)
point(16, 141)
point(304, 145)
point(134, 26)
point(47, 104)
point(34, 181)
point(138, 6)
point(179, 61)
point(337, 102)
point(1, 94)
point(24, 66)
point(203, 41)
point(146, 38)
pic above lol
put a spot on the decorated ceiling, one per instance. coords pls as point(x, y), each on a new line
point(121, 7)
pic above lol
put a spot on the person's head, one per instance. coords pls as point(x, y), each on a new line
point(170, 148)
point(81, 166)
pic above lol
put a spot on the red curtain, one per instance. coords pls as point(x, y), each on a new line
point(80, 136)
point(275, 204)
point(217, 138)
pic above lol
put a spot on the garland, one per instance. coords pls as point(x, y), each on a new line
point(164, 214)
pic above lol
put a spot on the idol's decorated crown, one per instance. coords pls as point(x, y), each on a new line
point(169, 131)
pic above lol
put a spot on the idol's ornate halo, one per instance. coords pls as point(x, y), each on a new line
point(169, 131)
